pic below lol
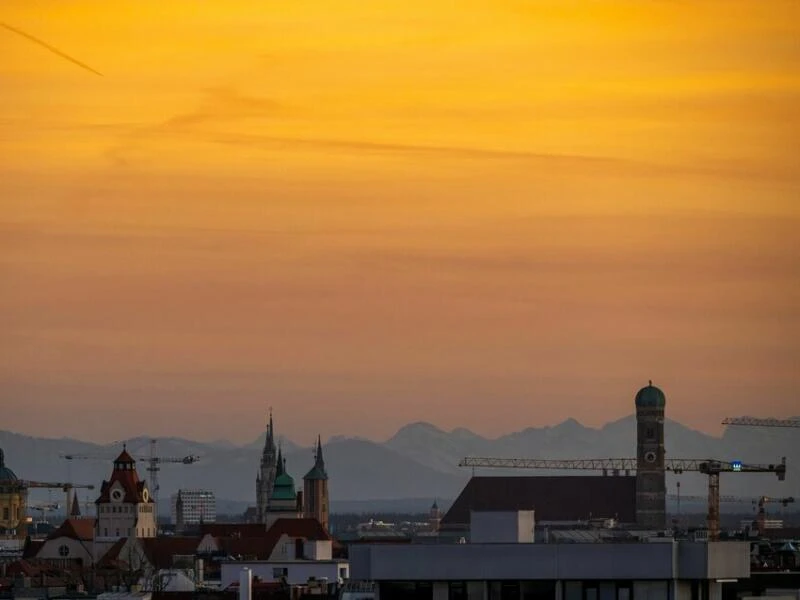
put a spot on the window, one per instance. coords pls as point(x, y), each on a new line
point(105, 532)
point(117, 532)
point(6, 516)
point(278, 572)
point(457, 590)
point(63, 550)
point(650, 433)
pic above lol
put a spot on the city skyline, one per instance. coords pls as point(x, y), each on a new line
point(491, 218)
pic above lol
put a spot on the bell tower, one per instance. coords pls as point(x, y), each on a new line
point(315, 489)
point(651, 483)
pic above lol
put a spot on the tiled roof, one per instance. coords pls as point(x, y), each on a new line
point(783, 533)
point(31, 548)
point(124, 457)
point(160, 551)
point(258, 548)
point(219, 530)
point(309, 529)
point(554, 498)
point(111, 558)
point(255, 542)
point(125, 473)
point(76, 529)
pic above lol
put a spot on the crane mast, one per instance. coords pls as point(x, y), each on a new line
point(154, 462)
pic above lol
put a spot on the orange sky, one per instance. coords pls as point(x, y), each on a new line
point(483, 214)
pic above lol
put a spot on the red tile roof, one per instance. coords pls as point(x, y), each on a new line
point(124, 457)
point(76, 529)
point(111, 558)
point(554, 498)
point(24, 567)
point(160, 551)
point(125, 473)
point(255, 542)
point(31, 548)
point(784, 533)
point(219, 530)
point(258, 548)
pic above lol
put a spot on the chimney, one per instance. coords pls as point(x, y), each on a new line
point(246, 584)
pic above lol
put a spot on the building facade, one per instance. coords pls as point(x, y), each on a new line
point(125, 507)
point(315, 489)
point(13, 496)
point(196, 506)
point(481, 571)
point(651, 486)
point(265, 478)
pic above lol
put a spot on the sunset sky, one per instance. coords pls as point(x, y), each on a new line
point(492, 214)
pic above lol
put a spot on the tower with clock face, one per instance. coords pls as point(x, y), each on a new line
point(125, 508)
point(651, 485)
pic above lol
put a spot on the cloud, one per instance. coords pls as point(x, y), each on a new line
point(218, 104)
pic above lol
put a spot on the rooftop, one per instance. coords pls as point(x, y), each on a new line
point(553, 498)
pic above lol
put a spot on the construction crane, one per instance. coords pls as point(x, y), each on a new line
point(153, 461)
point(66, 487)
point(709, 467)
point(761, 516)
point(43, 508)
point(754, 422)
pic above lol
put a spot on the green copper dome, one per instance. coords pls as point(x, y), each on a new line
point(283, 488)
point(650, 397)
point(6, 474)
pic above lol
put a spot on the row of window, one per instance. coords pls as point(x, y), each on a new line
point(278, 572)
point(528, 590)
point(516, 590)
point(126, 508)
point(144, 532)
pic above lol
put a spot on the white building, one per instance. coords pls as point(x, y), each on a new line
point(197, 506)
point(297, 551)
point(71, 543)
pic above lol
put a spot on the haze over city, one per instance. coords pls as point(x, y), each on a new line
point(368, 214)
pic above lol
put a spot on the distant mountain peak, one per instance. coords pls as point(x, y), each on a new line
point(570, 423)
point(418, 427)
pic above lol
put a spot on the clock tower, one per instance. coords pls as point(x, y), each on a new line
point(125, 507)
point(651, 484)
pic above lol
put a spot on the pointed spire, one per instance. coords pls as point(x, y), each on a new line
point(75, 509)
point(270, 442)
point(280, 467)
point(318, 460)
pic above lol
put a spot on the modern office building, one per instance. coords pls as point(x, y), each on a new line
point(190, 507)
point(502, 562)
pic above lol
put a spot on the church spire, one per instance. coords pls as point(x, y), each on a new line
point(270, 432)
point(318, 461)
point(75, 509)
point(280, 467)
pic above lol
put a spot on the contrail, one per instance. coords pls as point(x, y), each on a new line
point(49, 47)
